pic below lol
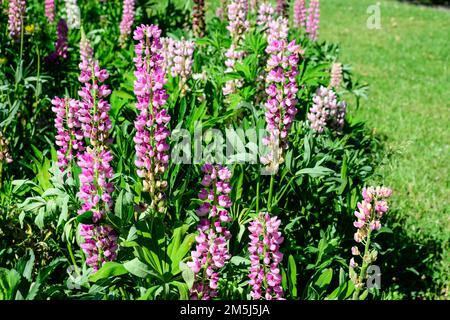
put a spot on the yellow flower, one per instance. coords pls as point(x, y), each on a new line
point(29, 28)
point(3, 60)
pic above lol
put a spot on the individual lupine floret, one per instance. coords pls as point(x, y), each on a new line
point(69, 137)
point(326, 111)
point(211, 251)
point(100, 244)
point(265, 257)
point(336, 75)
point(370, 211)
point(300, 14)
point(198, 18)
point(16, 15)
point(312, 22)
point(5, 156)
point(281, 90)
point(151, 139)
point(265, 14)
point(50, 10)
point(73, 14)
point(127, 20)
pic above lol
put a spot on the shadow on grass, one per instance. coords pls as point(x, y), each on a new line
point(412, 266)
point(441, 3)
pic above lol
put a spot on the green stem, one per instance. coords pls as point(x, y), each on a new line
point(257, 194)
point(72, 257)
point(21, 38)
point(365, 265)
point(269, 202)
point(1, 172)
point(38, 76)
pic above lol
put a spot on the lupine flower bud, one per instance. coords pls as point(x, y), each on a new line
point(336, 75)
point(100, 244)
point(211, 252)
point(312, 23)
point(5, 157)
point(198, 18)
point(16, 15)
point(50, 10)
point(300, 14)
point(127, 20)
point(151, 139)
point(326, 111)
point(265, 257)
point(69, 137)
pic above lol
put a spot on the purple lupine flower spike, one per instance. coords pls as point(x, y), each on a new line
point(281, 90)
point(326, 111)
point(211, 251)
point(238, 25)
point(16, 15)
point(336, 75)
point(127, 20)
point(69, 137)
point(265, 15)
point(151, 139)
point(61, 45)
point(100, 244)
point(50, 10)
point(265, 257)
point(370, 211)
point(312, 22)
point(95, 162)
point(300, 14)
point(5, 156)
point(198, 18)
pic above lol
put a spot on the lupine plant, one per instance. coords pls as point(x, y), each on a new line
point(90, 178)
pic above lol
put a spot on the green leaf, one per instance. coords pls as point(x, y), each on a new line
point(29, 267)
point(138, 268)
point(109, 269)
point(187, 274)
point(325, 278)
point(292, 270)
point(85, 218)
point(9, 282)
point(363, 296)
point(315, 172)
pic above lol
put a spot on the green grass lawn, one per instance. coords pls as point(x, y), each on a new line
point(406, 64)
